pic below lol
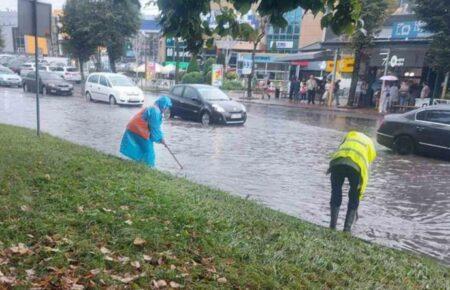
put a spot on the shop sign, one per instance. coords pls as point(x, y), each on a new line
point(394, 60)
point(246, 67)
point(345, 65)
point(408, 29)
point(284, 44)
point(217, 75)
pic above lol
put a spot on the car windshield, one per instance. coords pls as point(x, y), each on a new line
point(6, 71)
point(50, 76)
point(213, 94)
point(121, 81)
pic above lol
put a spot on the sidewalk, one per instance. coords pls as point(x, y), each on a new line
point(366, 113)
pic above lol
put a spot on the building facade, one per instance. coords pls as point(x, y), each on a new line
point(285, 39)
point(8, 23)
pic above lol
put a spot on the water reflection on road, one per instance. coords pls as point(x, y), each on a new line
point(279, 158)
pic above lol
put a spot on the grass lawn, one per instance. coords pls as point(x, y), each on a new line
point(72, 217)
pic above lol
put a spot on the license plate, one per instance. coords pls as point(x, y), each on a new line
point(64, 89)
point(236, 116)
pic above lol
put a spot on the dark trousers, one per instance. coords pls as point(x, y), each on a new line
point(338, 175)
point(311, 96)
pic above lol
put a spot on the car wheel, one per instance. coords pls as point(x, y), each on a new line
point(404, 145)
point(112, 100)
point(89, 97)
point(205, 119)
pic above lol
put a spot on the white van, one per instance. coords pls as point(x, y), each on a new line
point(69, 73)
point(113, 88)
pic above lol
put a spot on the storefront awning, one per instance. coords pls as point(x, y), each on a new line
point(305, 56)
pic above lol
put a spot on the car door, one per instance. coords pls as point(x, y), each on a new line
point(192, 103)
point(103, 89)
point(433, 130)
point(176, 95)
point(91, 86)
point(31, 81)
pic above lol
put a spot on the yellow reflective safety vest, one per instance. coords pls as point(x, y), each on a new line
point(361, 150)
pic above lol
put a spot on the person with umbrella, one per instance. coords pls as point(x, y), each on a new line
point(385, 93)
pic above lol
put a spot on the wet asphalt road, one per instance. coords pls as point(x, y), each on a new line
point(279, 158)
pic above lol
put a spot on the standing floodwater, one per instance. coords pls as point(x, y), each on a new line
point(279, 158)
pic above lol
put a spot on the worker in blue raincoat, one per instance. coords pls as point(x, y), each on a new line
point(143, 130)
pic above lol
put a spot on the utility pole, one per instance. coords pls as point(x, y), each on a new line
point(333, 77)
point(36, 51)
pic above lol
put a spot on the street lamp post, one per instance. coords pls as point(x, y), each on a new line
point(36, 50)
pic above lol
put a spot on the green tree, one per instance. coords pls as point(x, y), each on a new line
point(435, 14)
point(182, 18)
point(81, 40)
point(120, 20)
point(193, 65)
point(373, 14)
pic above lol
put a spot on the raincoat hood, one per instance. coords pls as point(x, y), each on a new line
point(163, 102)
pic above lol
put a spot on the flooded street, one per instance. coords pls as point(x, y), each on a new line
point(279, 158)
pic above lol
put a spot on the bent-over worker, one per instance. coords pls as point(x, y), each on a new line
point(143, 130)
point(351, 161)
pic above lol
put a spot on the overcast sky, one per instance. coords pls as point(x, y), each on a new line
point(12, 5)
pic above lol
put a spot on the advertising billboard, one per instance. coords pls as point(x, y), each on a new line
point(217, 75)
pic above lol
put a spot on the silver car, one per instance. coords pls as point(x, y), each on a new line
point(9, 78)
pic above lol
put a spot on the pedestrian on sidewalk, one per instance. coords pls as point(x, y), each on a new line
point(394, 98)
point(311, 85)
point(143, 130)
point(403, 93)
point(326, 96)
point(384, 99)
point(303, 90)
point(425, 92)
point(295, 86)
point(351, 161)
point(337, 91)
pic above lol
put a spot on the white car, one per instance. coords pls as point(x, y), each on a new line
point(69, 73)
point(27, 68)
point(113, 88)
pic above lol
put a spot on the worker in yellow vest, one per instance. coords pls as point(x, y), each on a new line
point(351, 161)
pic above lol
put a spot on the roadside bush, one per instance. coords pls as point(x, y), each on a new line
point(193, 65)
point(232, 85)
point(231, 75)
point(192, 78)
point(208, 77)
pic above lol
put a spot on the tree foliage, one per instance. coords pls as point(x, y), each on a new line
point(183, 18)
point(120, 20)
point(435, 14)
point(79, 26)
point(373, 14)
point(193, 65)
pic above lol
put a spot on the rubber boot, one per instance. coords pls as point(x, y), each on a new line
point(349, 219)
point(334, 216)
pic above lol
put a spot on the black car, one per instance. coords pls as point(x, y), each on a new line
point(206, 104)
point(49, 83)
point(424, 130)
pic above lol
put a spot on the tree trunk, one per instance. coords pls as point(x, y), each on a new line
point(177, 61)
point(112, 60)
point(252, 72)
point(355, 77)
point(81, 63)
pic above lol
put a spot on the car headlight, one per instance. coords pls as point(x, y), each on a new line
point(218, 108)
point(51, 85)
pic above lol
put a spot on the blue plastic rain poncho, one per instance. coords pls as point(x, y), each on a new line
point(139, 147)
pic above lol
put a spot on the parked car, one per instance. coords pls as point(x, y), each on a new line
point(49, 83)
point(206, 104)
point(16, 63)
point(425, 130)
point(113, 88)
point(9, 78)
point(26, 68)
point(69, 73)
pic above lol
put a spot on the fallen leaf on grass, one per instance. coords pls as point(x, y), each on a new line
point(139, 241)
point(77, 287)
point(4, 261)
point(107, 209)
point(173, 267)
point(147, 258)
point(123, 260)
point(124, 207)
point(47, 176)
point(95, 272)
point(127, 278)
point(80, 209)
point(109, 258)
point(159, 284)
point(222, 280)
point(30, 273)
point(25, 208)
point(20, 249)
point(6, 279)
point(53, 250)
point(174, 285)
point(105, 251)
point(136, 264)
point(128, 222)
